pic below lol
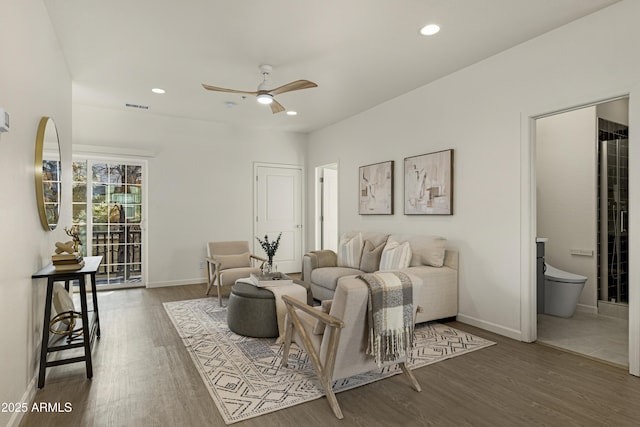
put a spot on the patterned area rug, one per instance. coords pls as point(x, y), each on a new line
point(244, 376)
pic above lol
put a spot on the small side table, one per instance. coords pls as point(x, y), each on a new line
point(90, 327)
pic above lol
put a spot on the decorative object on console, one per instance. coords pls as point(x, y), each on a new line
point(66, 258)
point(74, 233)
point(428, 184)
point(64, 322)
point(270, 248)
point(376, 189)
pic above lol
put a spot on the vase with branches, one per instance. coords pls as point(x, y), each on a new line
point(270, 248)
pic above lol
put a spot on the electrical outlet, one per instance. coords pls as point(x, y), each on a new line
point(201, 265)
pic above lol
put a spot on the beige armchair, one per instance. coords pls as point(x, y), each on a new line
point(337, 350)
point(229, 261)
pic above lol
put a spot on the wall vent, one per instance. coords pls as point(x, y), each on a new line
point(141, 107)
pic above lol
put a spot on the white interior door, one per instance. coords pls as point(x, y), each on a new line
point(330, 209)
point(278, 210)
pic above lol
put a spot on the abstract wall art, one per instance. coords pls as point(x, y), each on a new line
point(376, 189)
point(428, 184)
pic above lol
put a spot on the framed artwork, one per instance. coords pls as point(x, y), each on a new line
point(428, 184)
point(376, 189)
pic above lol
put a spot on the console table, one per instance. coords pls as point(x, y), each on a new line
point(90, 326)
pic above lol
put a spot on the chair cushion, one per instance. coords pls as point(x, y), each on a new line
point(325, 307)
point(371, 254)
point(395, 256)
point(233, 261)
point(349, 251)
point(308, 323)
point(327, 277)
point(229, 277)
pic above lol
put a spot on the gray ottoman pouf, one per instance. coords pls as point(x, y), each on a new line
point(252, 311)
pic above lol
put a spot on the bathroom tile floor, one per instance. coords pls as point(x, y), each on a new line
point(596, 336)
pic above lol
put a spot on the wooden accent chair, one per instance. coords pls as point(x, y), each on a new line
point(228, 262)
point(337, 350)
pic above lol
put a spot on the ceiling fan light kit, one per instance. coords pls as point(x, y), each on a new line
point(264, 95)
point(264, 98)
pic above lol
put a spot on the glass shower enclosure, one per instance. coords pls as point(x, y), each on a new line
point(613, 212)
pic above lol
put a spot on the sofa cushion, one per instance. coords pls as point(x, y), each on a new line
point(395, 256)
point(350, 250)
point(327, 277)
point(425, 250)
point(370, 260)
point(233, 261)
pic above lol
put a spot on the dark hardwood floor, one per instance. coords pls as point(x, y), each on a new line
point(143, 376)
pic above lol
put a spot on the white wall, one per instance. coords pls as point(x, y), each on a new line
point(34, 82)
point(566, 166)
point(200, 180)
point(482, 112)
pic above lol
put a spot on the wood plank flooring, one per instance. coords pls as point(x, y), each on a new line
point(143, 376)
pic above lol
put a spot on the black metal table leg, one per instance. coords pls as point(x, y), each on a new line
point(94, 295)
point(86, 330)
point(44, 349)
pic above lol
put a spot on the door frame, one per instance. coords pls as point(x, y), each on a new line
point(303, 215)
point(528, 219)
point(107, 158)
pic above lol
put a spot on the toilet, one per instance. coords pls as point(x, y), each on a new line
point(561, 291)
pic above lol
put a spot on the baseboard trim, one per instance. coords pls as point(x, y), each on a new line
point(587, 309)
point(491, 327)
point(28, 397)
point(196, 281)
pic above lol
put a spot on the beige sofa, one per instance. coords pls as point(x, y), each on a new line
point(430, 260)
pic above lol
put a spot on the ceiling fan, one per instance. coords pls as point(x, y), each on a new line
point(264, 95)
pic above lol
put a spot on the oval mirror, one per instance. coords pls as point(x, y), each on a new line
point(48, 173)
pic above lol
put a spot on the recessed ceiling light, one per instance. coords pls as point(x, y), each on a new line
point(429, 30)
point(292, 113)
point(157, 90)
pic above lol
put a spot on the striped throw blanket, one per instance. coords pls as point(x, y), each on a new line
point(390, 315)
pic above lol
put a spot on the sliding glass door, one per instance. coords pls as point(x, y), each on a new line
point(108, 209)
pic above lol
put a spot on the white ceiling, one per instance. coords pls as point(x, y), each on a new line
point(359, 52)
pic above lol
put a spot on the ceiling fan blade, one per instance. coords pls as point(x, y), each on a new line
point(221, 89)
point(297, 85)
point(276, 107)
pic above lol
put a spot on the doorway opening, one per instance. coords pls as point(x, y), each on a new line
point(108, 210)
point(582, 217)
point(327, 207)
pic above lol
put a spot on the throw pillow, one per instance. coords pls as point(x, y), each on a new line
point(395, 256)
point(325, 307)
point(429, 250)
point(349, 251)
point(233, 261)
point(370, 261)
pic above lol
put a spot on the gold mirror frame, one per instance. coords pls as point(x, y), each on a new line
point(48, 173)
